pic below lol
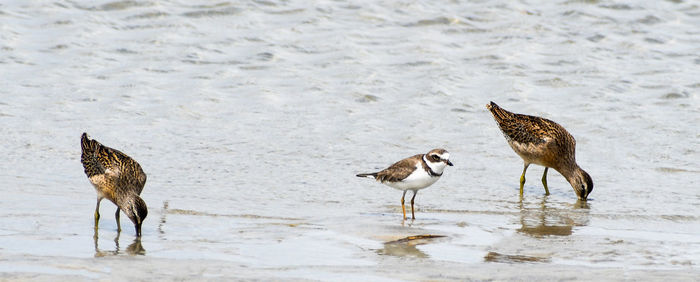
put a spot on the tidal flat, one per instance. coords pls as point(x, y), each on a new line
point(252, 118)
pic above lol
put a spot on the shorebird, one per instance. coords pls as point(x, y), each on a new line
point(413, 173)
point(543, 142)
point(116, 177)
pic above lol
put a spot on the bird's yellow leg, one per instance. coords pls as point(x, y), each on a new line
point(522, 179)
point(544, 181)
point(97, 212)
point(403, 208)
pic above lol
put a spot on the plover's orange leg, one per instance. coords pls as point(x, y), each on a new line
point(403, 208)
point(544, 181)
point(413, 214)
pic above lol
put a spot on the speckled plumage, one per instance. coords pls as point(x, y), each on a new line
point(116, 177)
point(544, 142)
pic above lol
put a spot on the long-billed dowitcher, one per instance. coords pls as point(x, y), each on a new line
point(116, 177)
point(544, 142)
point(413, 173)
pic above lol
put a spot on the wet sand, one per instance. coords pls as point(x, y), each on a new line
point(116, 268)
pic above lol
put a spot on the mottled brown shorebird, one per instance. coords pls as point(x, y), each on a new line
point(116, 177)
point(544, 142)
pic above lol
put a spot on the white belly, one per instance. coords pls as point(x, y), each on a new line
point(419, 179)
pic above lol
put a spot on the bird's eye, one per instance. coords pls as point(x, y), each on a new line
point(435, 157)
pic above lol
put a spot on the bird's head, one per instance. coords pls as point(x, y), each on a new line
point(582, 184)
point(137, 211)
point(438, 159)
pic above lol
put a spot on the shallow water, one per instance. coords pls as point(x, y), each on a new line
point(251, 120)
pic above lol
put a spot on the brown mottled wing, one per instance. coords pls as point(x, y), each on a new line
point(529, 129)
point(398, 171)
point(525, 128)
point(132, 173)
point(553, 145)
point(97, 159)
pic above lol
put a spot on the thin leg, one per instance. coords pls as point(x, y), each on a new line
point(413, 214)
point(402, 206)
point(97, 211)
point(95, 237)
point(522, 179)
point(119, 226)
point(544, 181)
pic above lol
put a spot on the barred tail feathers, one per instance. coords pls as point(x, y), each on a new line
point(499, 114)
point(86, 144)
point(90, 163)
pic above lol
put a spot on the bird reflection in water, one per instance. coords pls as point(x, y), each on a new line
point(407, 247)
point(161, 223)
point(548, 220)
point(135, 248)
